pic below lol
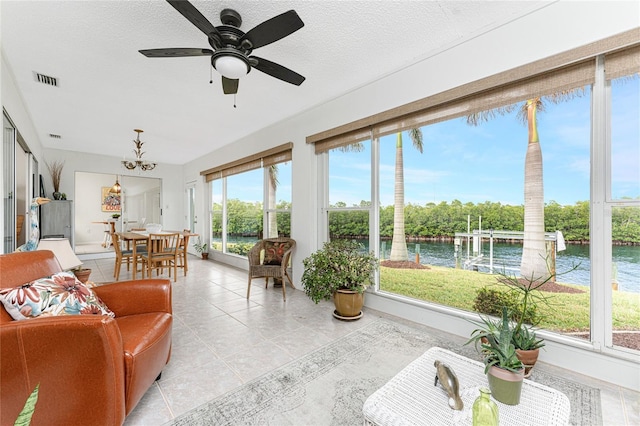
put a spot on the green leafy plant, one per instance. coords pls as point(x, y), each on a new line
point(495, 342)
point(240, 248)
point(200, 247)
point(525, 339)
point(490, 301)
point(340, 264)
point(24, 418)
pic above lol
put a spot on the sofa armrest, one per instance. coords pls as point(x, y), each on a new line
point(77, 360)
point(136, 297)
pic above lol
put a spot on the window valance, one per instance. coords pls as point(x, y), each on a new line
point(269, 157)
point(557, 73)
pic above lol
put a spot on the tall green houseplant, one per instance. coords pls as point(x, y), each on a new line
point(340, 264)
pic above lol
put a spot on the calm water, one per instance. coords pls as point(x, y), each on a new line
point(626, 259)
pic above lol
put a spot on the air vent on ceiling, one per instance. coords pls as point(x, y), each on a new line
point(51, 135)
point(45, 79)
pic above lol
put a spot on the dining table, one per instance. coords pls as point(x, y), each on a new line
point(111, 225)
point(136, 237)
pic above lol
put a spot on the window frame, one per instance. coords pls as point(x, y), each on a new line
point(573, 63)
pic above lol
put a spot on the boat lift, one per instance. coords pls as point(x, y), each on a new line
point(554, 243)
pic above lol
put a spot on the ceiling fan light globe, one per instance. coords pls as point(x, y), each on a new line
point(231, 67)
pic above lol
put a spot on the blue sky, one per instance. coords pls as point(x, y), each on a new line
point(486, 162)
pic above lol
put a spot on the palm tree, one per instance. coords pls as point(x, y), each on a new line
point(273, 185)
point(398, 242)
point(533, 265)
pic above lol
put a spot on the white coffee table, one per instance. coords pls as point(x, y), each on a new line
point(410, 397)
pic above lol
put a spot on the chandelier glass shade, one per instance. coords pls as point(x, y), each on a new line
point(116, 188)
point(143, 165)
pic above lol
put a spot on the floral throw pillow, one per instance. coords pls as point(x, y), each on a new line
point(274, 251)
point(59, 294)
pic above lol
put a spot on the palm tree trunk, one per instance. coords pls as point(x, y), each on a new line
point(273, 218)
point(534, 260)
point(398, 243)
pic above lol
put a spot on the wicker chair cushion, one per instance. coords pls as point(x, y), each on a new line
point(274, 251)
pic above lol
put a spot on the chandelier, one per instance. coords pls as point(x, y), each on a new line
point(116, 188)
point(138, 152)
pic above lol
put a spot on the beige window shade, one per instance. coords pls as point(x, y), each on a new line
point(568, 78)
point(278, 154)
point(622, 63)
point(349, 138)
point(557, 73)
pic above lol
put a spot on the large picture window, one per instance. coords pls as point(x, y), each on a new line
point(505, 176)
point(251, 200)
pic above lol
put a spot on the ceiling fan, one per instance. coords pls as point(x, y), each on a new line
point(232, 47)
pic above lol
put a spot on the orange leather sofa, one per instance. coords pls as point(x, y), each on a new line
point(92, 369)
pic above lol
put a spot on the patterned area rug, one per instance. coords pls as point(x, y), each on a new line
point(330, 385)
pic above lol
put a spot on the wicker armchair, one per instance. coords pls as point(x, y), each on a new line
point(277, 256)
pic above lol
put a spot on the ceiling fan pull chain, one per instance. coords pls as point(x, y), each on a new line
point(234, 100)
point(210, 75)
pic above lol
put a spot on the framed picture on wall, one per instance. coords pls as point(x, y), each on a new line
point(43, 193)
point(110, 202)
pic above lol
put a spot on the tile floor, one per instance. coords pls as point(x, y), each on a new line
point(221, 340)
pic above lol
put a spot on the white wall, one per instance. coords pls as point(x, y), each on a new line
point(559, 27)
point(88, 207)
point(173, 213)
point(556, 28)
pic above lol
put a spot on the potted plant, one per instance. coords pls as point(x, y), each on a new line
point(505, 372)
point(82, 274)
point(525, 292)
point(522, 298)
point(343, 270)
point(527, 347)
point(202, 248)
point(55, 169)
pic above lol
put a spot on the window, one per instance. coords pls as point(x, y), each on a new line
point(350, 192)
point(278, 200)
point(625, 208)
point(461, 199)
point(249, 196)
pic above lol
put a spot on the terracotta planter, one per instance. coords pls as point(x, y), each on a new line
point(348, 304)
point(528, 358)
point(205, 255)
point(82, 275)
point(505, 385)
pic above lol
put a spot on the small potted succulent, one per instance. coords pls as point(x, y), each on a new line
point(341, 269)
point(202, 248)
point(505, 371)
point(82, 274)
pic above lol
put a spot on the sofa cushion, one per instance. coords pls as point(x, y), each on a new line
point(274, 251)
point(59, 294)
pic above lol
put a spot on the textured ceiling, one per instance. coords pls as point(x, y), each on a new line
point(106, 88)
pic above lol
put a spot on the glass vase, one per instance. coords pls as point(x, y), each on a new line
point(484, 410)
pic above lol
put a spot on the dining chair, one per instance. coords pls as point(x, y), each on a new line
point(123, 256)
point(162, 253)
point(271, 257)
point(183, 247)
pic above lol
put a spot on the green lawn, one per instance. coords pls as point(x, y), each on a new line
point(457, 288)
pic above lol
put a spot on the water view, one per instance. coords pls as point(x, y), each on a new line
point(626, 259)
point(507, 256)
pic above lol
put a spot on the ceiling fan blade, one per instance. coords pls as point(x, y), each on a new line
point(175, 52)
point(194, 16)
point(229, 86)
point(273, 29)
point(276, 70)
